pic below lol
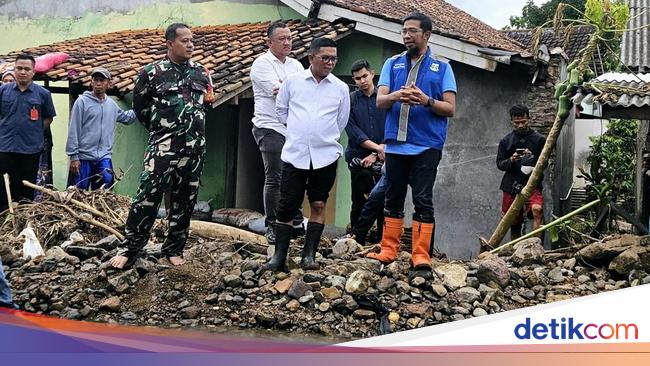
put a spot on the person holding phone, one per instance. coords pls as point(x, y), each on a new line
point(517, 155)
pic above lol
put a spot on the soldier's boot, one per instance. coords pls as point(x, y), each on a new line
point(390, 240)
point(312, 239)
point(282, 241)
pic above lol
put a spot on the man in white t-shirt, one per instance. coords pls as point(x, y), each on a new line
point(267, 74)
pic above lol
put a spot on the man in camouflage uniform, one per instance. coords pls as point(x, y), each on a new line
point(168, 100)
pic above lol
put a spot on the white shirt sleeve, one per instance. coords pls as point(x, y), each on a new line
point(264, 76)
point(282, 103)
point(344, 108)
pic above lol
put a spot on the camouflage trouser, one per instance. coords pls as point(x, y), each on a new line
point(163, 172)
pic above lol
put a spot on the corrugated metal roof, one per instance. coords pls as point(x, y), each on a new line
point(634, 47)
point(617, 89)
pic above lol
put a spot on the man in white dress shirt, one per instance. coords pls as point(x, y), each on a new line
point(267, 74)
point(315, 106)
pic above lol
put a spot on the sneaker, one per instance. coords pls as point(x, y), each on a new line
point(270, 234)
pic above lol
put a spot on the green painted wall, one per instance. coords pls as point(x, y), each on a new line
point(357, 46)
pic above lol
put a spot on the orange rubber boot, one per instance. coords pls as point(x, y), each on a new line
point(390, 240)
point(420, 251)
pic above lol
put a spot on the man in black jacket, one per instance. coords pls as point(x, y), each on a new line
point(517, 156)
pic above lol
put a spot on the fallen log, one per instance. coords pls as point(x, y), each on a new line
point(219, 231)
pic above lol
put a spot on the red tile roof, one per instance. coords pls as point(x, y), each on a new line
point(447, 20)
point(227, 51)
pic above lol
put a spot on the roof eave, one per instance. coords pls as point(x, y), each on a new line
point(445, 47)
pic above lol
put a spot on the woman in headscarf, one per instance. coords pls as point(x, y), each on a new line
point(8, 76)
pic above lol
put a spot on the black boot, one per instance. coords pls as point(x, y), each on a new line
point(282, 240)
point(312, 238)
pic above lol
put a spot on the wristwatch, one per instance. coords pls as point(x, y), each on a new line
point(431, 102)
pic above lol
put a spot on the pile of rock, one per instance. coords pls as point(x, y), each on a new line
point(222, 287)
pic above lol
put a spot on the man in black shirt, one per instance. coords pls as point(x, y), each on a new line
point(517, 156)
point(365, 129)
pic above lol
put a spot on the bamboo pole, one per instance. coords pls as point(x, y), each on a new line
point(550, 224)
point(10, 202)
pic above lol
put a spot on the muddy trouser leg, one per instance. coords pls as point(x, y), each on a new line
point(154, 180)
point(185, 188)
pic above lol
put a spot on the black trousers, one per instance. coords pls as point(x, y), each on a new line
point(19, 167)
point(418, 171)
point(363, 181)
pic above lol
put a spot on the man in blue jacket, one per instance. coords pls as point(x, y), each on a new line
point(90, 134)
point(419, 92)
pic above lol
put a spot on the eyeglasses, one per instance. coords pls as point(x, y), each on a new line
point(411, 31)
point(327, 59)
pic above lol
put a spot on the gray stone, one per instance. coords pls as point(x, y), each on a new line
point(331, 293)
point(311, 277)
point(454, 276)
point(555, 274)
point(108, 243)
point(324, 307)
point(518, 299)
point(212, 299)
point(112, 304)
point(479, 312)
point(84, 252)
point(307, 297)
point(645, 280)
point(467, 294)
point(59, 255)
point(636, 257)
point(385, 284)
point(493, 268)
point(129, 316)
point(364, 314)
point(190, 312)
point(439, 290)
point(293, 305)
point(601, 252)
point(298, 289)
point(232, 280)
point(420, 309)
point(358, 282)
point(283, 285)
point(584, 278)
point(569, 263)
point(334, 281)
point(402, 287)
point(528, 251)
point(265, 320)
point(418, 281)
point(344, 247)
point(345, 305)
point(123, 281)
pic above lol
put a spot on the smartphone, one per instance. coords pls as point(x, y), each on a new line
point(520, 151)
